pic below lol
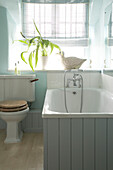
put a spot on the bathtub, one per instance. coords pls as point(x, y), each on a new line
point(96, 103)
point(78, 141)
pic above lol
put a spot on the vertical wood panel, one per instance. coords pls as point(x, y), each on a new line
point(88, 144)
point(65, 144)
point(100, 144)
point(2, 89)
point(33, 122)
point(76, 144)
point(53, 144)
point(2, 124)
point(45, 130)
point(110, 144)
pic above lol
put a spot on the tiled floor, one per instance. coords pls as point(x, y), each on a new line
point(26, 155)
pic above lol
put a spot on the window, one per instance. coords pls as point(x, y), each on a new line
point(57, 21)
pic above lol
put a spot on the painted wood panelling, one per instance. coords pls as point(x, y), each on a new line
point(45, 134)
point(65, 147)
point(88, 144)
point(53, 144)
point(2, 124)
point(32, 123)
point(101, 147)
point(78, 144)
point(110, 144)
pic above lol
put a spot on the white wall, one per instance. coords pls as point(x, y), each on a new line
point(90, 79)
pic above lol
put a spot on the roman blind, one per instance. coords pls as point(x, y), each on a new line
point(58, 20)
point(56, 1)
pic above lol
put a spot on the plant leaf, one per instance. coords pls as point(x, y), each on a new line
point(41, 45)
point(32, 40)
point(22, 35)
point(51, 46)
point(37, 29)
point(22, 41)
point(56, 46)
point(36, 56)
point(46, 43)
point(29, 45)
point(45, 52)
point(22, 56)
point(30, 61)
point(33, 54)
point(25, 42)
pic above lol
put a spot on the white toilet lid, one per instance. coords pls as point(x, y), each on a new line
point(13, 105)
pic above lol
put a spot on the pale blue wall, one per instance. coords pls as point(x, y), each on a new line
point(3, 40)
point(7, 30)
point(41, 86)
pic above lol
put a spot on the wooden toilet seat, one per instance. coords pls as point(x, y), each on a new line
point(13, 105)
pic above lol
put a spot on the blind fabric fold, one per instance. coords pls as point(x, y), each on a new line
point(72, 43)
point(56, 1)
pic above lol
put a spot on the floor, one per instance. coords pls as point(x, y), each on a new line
point(26, 155)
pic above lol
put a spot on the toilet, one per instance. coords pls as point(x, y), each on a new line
point(18, 91)
point(12, 112)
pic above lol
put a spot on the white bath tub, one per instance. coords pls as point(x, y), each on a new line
point(78, 141)
point(96, 103)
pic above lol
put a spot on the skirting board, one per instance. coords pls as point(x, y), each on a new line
point(32, 123)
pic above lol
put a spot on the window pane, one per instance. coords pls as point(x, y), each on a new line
point(68, 14)
point(68, 30)
point(61, 12)
point(48, 30)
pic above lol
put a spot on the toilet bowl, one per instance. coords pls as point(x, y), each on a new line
point(12, 112)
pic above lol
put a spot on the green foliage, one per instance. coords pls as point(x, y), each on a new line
point(40, 44)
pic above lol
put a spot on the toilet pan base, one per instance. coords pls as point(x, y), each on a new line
point(13, 133)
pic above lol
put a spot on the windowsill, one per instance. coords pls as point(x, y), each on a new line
point(108, 69)
point(84, 69)
point(10, 76)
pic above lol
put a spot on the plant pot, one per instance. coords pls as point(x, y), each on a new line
point(44, 61)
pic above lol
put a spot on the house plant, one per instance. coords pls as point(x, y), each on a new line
point(43, 45)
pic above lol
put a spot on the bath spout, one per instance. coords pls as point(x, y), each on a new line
point(77, 81)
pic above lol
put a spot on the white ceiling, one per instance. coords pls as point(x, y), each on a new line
point(13, 8)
